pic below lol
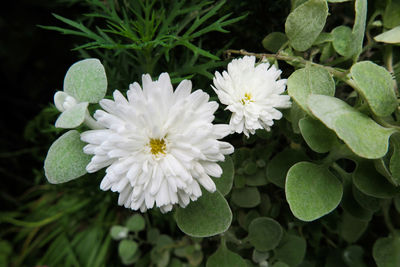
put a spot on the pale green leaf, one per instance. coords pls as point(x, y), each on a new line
point(65, 160)
point(224, 183)
point(317, 136)
point(386, 251)
point(312, 191)
point(273, 41)
point(223, 257)
point(209, 215)
point(136, 223)
point(360, 7)
point(86, 81)
point(364, 136)
point(307, 81)
point(265, 233)
point(305, 23)
point(72, 117)
point(395, 159)
point(126, 250)
point(375, 84)
point(343, 41)
point(119, 232)
point(390, 37)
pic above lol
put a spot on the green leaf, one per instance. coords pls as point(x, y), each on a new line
point(351, 205)
point(65, 160)
point(371, 183)
point(312, 191)
point(375, 84)
point(247, 197)
point(136, 223)
point(258, 179)
point(364, 136)
point(317, 136)
point(390, 37)
point(296, 114)
point(386, 252)
point(353, 255)
point(323, 37)
point(307, 81)
point(291, 250)
point(265, 233)
point(127, 251)
point(273, 41)
point(338, 1)
point(86, 81)
point(351, 228)
point(342, 41)
point(305, 23)
point(119, 232)
point(224, 183)
point(209, 215)
point(73, 117)
point(391, 16)
point(360, 7)
point(279, 165)
point(367, 202)
point(394, 164)
point(225, 258)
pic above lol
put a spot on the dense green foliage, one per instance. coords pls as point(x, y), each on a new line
point(320, 189)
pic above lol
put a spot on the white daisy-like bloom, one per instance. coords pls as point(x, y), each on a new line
point(252, 93)
point(159, 145)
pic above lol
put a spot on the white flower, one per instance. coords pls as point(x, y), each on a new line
point(159, 145)
point(252, 93)
point(64, 101)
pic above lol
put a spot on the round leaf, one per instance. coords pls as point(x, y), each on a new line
point(279, 165)
point(351, 228)
point(391, 16)
point(364, 136)
point(386, 252)
point(126, 250)
point(312, 191)
point(273, 41)
point(309, 80)
point(209, 215)
point(136, 223)
point(225, 258)
point(224, 183)
point(247, 197)
point(305, 23)
point(86, 81)
point(375, 84)
point(342, 41)
point(119, 232)
point(371, 183)
point(265, 233)
point(65, 160)
point(291, 250)
point(317, 136)
point(72, 117)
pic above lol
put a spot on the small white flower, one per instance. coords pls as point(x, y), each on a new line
point(159, 145)
point(252, 93)
point(64, 101)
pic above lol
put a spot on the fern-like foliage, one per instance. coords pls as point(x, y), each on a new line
point(150, 36)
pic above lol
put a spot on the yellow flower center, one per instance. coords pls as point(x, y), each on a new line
point(246, 98)
point(157, 146)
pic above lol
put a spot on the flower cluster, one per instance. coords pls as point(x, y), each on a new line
point(159, 145)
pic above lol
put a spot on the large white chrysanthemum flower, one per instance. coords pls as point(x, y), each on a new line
point(159, 145)
point(252, 93)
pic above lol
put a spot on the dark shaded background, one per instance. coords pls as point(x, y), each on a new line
point(33, 62)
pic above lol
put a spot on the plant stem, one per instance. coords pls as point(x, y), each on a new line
point(91, 123)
